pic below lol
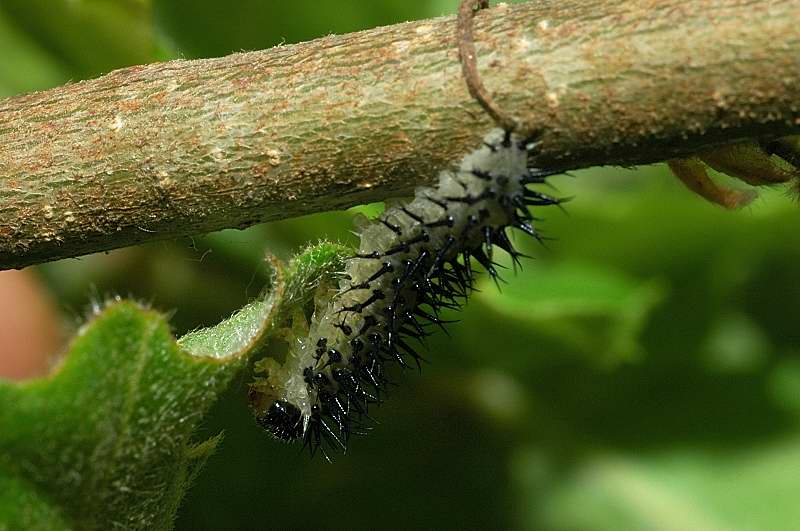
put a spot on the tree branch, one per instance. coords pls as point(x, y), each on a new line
point(187, 147)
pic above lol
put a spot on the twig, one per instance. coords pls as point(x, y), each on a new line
point(187, 147)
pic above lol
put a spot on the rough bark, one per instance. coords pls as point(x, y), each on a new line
point(187, 147)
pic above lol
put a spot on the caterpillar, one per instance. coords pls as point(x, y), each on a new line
point(413, 261)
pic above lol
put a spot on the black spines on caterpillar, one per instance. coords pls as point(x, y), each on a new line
point(413, 261)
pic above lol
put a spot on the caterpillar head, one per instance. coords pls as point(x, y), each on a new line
point(278, 416)
point(282, 420)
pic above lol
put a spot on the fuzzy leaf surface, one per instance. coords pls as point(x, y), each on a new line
point(105, 441)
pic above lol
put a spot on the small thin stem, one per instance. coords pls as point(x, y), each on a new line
point(469, 64)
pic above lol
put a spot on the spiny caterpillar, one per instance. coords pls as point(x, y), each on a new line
point(412, 261)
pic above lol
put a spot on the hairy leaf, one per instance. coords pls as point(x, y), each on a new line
point(105, 441)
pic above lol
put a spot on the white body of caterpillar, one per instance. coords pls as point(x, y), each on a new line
point(414, 260)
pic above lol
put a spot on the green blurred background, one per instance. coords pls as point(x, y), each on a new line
point(641, 373)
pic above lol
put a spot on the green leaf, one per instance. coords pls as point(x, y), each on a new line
point(581, 308)
point(25, 66)
point(90, 38)
point(106, 440)
point(674, 490)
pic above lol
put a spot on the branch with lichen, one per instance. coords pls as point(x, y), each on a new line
point(187, 147)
